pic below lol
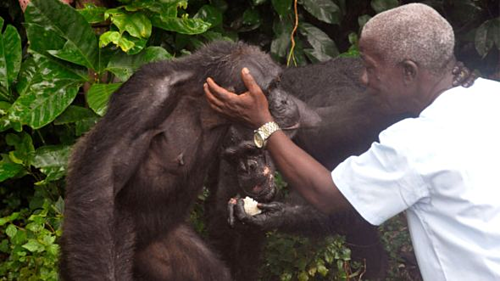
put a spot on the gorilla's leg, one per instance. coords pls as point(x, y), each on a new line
point(180, 255)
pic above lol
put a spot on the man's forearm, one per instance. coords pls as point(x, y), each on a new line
point(311, 179)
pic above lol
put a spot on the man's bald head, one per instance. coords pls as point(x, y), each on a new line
point(412, 32)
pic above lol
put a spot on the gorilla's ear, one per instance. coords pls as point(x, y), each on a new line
point(308, 116)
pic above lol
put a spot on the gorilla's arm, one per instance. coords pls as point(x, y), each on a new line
point(102, 163)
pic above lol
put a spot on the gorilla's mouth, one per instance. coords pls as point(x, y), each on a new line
point(263, 188)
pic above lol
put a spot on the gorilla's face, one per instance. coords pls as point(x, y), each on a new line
point(253, 167)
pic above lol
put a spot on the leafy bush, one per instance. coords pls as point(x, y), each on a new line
point(59, 65)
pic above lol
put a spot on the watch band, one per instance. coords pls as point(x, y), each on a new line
point(266, 130)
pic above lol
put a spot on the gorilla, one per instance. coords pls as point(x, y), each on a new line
point(134, 177)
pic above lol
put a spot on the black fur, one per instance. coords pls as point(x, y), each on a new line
point(135, 176)
point(350, 121)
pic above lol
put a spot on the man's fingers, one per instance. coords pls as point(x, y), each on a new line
point(249, 81)
point(214, 102)
point(217, 91)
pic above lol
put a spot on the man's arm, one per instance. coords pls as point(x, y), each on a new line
point(301, 171)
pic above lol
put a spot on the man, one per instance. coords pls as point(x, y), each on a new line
point(440, 167)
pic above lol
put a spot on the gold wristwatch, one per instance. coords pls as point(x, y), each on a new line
point(263, 133)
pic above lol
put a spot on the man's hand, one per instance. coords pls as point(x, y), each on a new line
point(250, 108)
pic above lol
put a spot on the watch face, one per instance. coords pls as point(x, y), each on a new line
point(258, 140)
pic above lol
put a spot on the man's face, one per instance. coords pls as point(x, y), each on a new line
point(384, 79)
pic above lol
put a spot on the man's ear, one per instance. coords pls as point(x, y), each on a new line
point(410, 71)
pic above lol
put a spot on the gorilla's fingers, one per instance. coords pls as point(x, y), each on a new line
point(270, 207)
point(230, 210)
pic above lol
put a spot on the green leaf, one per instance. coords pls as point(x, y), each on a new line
point(73, 114)
point(24, 149)
point(209, 14)
point(324, 10)
point(10, 55)
point(251, 17)
point(51, 156)
point(9, 170)
point(322, 270)
point(83, 118)
point(303, 276)
point(487, 35)
point(123, 66)
point(323, 47)
point(11, 230)
point(183, 25)
point(92, 13)
point(258, 2)
point(281, 43)
point(383, 5)
point(81, 127)
point(127, 43)
point(4, 107)
point(10, 218)
point(64, 21)
point(52, 161)
point(98, 96)
point(362, 20)
point(33, 246)
point(137, 24)
point(282, 7)
point(48, 88)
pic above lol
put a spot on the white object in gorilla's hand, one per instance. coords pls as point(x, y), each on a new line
point(251, 206)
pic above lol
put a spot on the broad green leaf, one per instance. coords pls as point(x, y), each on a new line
point(487, 35)
point(83, 118)
point(221, 5)
point(11, 230)
point(282, 7)
point(209, 14)
point(383, 5)
point(137, 24)
point(42, 39)
point(52, 161)
point(362, 20)
point(281, 43)
point(98, 96)
point(73, 114)
point(116, 38)
point(10, 218)
point(9, 169)
point(92, 13)
point(183, 25)
point(165, 8)
point(123, 66)
point(4, 107)
point(81, 127)
point(258, 2)
point(251, 17)
point(51, 156)
point(324, 10)
point(323, 47)
point(48, 88)
point(24, 149)
point(10, 56)
point(138, 44)
point(68, 24)
point(33, 246)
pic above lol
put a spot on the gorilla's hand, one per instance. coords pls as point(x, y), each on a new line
point(236, 208)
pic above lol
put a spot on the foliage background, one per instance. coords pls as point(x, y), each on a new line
point(58, 66)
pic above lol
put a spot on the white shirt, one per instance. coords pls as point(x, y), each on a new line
point(444, 169)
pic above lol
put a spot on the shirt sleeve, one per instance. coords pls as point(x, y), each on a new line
point(380, 183)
